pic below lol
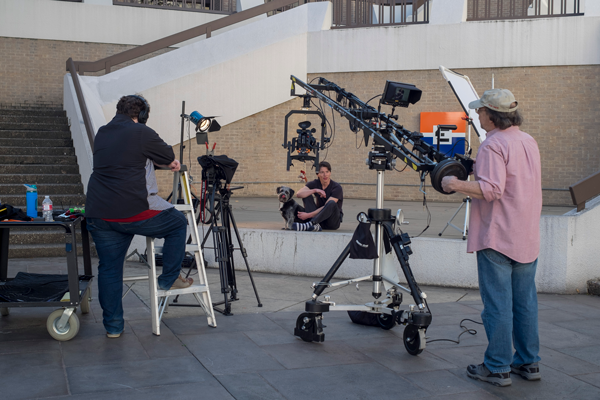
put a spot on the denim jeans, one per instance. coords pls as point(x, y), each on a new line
point(510, 310)
point(112, 240)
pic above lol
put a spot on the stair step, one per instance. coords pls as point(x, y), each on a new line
point(31, 142)
point(33, 112)
point(37, 151)
point(44, 189)
point(8, 134)
point(59, 201)
point(34, 119)
point(28, 126)
point(52, 236)
point(43, 250)
point(42, 178)
point(38, 160)
point(25, 169)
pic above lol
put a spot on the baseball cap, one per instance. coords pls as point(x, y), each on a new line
point(497, 100)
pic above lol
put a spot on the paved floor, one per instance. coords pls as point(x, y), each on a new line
point(253, 354)
point(263, 213)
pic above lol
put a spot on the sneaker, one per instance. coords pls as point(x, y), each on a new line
point(182, 283)
point(302, 226)
point(480, 372)
point(529, 372)
point(113, 335)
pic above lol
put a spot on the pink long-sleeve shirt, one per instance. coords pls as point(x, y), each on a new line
point(507, 220)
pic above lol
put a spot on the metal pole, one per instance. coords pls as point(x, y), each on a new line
point(378, 237)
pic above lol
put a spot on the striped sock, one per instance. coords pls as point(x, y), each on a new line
point(299, 226)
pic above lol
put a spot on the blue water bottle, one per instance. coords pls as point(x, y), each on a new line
point(32, 201)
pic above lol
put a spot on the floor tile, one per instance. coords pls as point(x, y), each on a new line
point(229, 353)
point(348, 382)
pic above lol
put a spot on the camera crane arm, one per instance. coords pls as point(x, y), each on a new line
point(362, 112)
point(389, 135)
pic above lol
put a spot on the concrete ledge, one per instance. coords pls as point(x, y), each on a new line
point(568, 256)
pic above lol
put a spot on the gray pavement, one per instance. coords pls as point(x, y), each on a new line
point(254, 355)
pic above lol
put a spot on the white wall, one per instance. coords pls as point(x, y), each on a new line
point(250, 65)
point(569, 255)
point(486, 44)
point(94, 23)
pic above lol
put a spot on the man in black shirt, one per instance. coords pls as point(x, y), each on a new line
point(326, 213)
point(122, 201)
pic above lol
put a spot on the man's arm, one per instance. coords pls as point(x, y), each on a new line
point(174, 166)
point(306, 191)
point(470, 188)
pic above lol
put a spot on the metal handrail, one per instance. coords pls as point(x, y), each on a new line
point(584, 190)
point(75, 67)
point(488, 10)
point(203, 6)
point(84, 111)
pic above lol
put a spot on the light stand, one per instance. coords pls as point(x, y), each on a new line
point(466, 201)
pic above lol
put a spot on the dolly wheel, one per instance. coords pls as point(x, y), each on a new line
point(4, 311)
point(85, 301)
point(412, 340)
point(68, 332)
point(386, 321)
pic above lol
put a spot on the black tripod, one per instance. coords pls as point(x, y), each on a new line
point(222, 221)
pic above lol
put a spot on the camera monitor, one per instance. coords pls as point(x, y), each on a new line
point(400, 94)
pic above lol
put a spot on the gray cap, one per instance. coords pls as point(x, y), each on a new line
point(496, 99)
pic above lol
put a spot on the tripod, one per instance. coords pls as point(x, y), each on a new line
point(222, 221)
point(309, 325)
point(467, 200)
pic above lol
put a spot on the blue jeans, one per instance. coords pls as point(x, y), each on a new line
point(510, 310)
point(112, 240)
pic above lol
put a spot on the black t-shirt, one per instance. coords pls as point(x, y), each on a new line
point(117, 187)
point(333, 190)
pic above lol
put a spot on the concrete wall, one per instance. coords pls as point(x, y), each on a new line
point(93, 23)
point(568, 256)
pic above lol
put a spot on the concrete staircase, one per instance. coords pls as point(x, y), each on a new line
point(36, 148)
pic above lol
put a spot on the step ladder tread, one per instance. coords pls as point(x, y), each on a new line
point(188, 290)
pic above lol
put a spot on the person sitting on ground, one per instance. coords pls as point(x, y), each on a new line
point(122, 201)
point(326, 213)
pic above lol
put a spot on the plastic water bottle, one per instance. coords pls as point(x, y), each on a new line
point(47, 205)
point(32, 201)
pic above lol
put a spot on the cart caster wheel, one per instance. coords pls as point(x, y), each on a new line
point(85, 301)
point(309, 327)
point(69, 331)
point(4, 311)
point(412, 341)
point(386, 321)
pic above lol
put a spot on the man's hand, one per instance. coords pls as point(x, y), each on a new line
point(175, 166)
point(320, 192)
point(453, 184)
point(303, 215)
point(448, 183)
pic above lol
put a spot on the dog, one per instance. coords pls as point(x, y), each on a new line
point(288, 207)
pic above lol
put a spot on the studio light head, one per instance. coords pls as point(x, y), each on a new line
point(400, 94)
point(204, 124)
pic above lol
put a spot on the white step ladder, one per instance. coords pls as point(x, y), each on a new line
point(159, 298)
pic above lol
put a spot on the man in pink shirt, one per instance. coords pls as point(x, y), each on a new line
point(505, 232)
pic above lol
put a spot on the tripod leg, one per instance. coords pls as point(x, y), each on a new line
point(402, 253)
point(321, 286)
point(449, 223)
point(466, 226)
point(244, 255)
point(221, 257)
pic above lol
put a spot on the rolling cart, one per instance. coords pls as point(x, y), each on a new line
point(63, 323)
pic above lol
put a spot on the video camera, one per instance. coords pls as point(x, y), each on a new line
point(216, 169)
